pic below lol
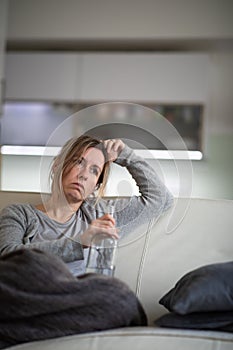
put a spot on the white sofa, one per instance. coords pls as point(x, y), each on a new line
point(151, 263)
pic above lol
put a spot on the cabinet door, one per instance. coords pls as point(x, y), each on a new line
point(42, 76)
point(3, 24)
point(159, 77)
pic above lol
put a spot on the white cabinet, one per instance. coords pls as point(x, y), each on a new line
point(43, 76)
point(150, 77)
point(97, 77)
point(3, 24)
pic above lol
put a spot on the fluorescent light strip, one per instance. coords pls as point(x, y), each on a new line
point(169, 155)
point(148, 154)
point(29, 150)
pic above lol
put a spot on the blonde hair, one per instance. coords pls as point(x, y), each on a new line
point(72, 150)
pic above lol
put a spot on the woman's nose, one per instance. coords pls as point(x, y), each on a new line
point(83, 173)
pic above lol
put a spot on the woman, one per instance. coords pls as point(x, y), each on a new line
point(65, 224)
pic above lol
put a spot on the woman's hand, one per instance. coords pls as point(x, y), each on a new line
point(105, 224)
point(113, 148)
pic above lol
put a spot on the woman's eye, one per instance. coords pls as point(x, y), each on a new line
point(94, 171)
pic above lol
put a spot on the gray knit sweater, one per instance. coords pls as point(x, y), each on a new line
point(23, 226)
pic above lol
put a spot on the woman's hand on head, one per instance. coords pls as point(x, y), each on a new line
point(105, 224)
point(113, 148)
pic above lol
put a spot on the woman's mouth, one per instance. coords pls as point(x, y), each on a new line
point(78, 186)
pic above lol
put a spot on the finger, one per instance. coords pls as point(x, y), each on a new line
point(109, 146)
point(107, 217)
point(105, 224)
point(111, 232)
point(116, 144)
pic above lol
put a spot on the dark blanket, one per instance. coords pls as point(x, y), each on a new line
point(40, 299)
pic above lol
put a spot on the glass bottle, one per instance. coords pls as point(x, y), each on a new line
point(102, 253)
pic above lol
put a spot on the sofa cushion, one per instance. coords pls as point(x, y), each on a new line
point(221, 320)
point(207, 288)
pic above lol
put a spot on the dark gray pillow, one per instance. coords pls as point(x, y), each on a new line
point(221, 321)
point(205, 289)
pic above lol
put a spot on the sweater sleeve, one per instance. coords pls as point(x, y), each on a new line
point(18, 225)
point(154, 197)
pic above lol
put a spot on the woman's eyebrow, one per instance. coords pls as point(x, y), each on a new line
point(94, 165)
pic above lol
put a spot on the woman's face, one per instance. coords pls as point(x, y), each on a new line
point(81, 180)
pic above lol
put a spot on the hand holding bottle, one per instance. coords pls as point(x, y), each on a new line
point(102, 251)
point(103, 225)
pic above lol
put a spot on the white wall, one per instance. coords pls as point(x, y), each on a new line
point(127, 19)
point(210, 178)
point(149, 21)
point(221, 93)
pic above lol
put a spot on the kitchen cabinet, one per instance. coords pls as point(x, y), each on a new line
point(43, 76)
point(98, 77)
point(3, 24)
point(145, 77)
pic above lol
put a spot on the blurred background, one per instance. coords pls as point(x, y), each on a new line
point(175, 57)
